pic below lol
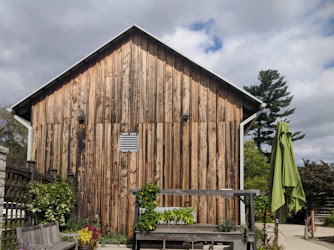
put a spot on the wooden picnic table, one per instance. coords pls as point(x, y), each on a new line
point(186, 233)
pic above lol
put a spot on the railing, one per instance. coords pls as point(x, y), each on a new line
point(325, 209)
point(16, 181)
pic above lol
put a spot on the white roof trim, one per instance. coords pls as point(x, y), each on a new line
point(114, 38)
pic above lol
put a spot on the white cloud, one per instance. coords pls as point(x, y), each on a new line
point(40, 39)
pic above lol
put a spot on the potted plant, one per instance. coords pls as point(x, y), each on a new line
point(89, 237)
point(147, 199)
point(226, 226)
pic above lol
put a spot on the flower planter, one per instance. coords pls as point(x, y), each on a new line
point(87, 247)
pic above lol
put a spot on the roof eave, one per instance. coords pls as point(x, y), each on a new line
point(87, 58)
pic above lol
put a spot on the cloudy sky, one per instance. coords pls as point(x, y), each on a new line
point(235, 39)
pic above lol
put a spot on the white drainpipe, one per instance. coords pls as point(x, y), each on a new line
point(27, 124)
point(241, 160)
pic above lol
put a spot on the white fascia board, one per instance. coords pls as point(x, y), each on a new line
point(113, 39)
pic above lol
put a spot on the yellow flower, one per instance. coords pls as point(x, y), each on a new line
point(142, 193)
point(150, 227)
point(150, 190)
point(155, 202)
point(85, 236)
point(145, 198)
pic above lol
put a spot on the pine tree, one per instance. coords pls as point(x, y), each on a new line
point(273, 91)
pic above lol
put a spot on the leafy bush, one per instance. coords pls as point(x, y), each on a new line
point(256, 168)
point(329, 220)
point(260, 234)
point(147, 198)
point(318, 182)
point(261, 203)
point(51, 202)
point(147, 221)
point(112, 238)
point(183, 214)
point(226, 226)
point(72, 225)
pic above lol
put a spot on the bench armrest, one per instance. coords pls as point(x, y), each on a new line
point(74, 237)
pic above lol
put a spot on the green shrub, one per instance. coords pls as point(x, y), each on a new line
point(112, 238)
point(329, 220)
point(183, 214)
point(261, 203)
point(226, 226)
point(51, 202)
point(147, 198)
point(72, 225)
point(260, 234)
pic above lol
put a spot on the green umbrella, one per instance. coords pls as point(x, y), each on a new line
point(285, 184)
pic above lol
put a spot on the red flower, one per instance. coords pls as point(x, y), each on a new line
point(96, 232)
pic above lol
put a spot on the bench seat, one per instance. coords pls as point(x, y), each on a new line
point(192, 233)
point(56, 246)
point(45, 236)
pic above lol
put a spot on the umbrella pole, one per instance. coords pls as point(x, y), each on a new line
point(276, 227)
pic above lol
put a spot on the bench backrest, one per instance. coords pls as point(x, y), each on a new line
point(47, 234)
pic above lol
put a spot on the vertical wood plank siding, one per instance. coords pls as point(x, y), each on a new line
point(139, 86)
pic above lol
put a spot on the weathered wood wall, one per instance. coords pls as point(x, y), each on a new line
point(138, 85)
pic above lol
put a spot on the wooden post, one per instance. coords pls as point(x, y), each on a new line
point(312, 224)
point(53, 172)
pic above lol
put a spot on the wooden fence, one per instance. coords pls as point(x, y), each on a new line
point(326, 209)
point(16, 181)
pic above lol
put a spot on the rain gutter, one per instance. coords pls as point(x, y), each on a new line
point(27, 124)
point(243, 132)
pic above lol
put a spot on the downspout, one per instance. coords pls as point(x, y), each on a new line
point(27, 124)
point(251, 119)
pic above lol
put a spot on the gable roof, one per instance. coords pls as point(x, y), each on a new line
point(23, 107)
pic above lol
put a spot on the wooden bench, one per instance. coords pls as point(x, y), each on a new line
point(195, 233)
point(45, 236)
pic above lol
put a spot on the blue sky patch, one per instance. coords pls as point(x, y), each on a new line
point(202, 25)
point(329, 29)
point(215, 42)
point(329, 65)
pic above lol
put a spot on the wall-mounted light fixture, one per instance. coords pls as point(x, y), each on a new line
point(186, 116)
point(81, 118)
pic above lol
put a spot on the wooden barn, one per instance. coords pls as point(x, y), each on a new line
point(136, 111)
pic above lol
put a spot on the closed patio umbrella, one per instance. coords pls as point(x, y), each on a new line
point(285, 184)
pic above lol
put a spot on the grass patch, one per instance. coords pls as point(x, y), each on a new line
point(329, 220)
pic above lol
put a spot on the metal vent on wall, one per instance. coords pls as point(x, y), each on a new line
point(129, 142)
